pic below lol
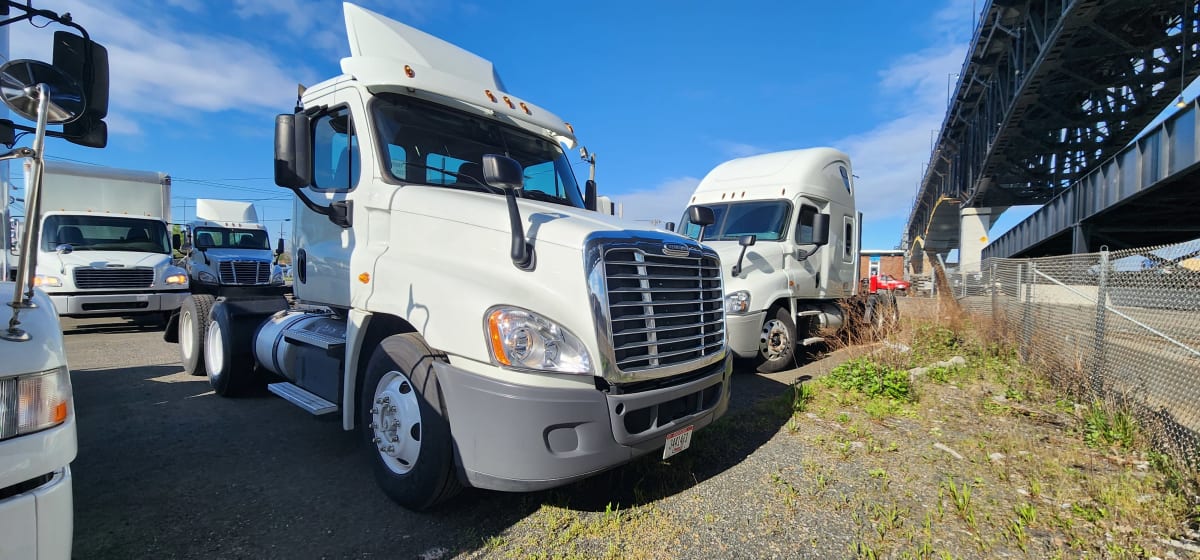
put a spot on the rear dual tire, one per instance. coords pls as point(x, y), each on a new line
point(228, 352)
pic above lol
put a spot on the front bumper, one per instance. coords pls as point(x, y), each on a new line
point(745, 333)
point(110, 304)
point(521, 438)
point(37, 524)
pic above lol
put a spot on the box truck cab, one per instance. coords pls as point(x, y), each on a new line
point(104, 248)
point(787, 231)
point(461, 302)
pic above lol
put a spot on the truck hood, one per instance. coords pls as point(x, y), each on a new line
point(264, 255)
point(544, 222)
point(44, 350)
point(100, 259)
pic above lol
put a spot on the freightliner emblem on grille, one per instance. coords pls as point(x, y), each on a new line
point(676, 250)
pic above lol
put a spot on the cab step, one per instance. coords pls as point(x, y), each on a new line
point(812, 340)
point(294, 394)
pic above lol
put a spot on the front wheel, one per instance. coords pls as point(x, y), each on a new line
point(777, 343)
point(405, 425)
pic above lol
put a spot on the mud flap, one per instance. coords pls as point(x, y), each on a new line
point(171, 333)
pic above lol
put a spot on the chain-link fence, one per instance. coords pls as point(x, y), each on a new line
point(1118, 326)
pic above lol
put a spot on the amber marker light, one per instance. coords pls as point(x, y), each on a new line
point(570, 128)
point(497, 341)
point(509, 102)
point(490, 95)
point(364, 278)
point(526, 108)
point(408, 71)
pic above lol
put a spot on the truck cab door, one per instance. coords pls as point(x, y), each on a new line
point(803, 273)
point(323, 249)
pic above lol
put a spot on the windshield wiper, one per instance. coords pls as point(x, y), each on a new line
point(459, 176)
point(542, 196)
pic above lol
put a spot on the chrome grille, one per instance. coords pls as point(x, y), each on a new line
point(110, 278)
point(244, 273)
point(663, 310)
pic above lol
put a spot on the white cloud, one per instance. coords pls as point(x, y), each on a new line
point(161, 69)
point(664, 202)
point(732, 149)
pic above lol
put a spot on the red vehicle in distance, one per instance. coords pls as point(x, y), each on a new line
point(887, 282)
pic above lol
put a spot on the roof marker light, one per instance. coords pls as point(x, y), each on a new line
point(526, 108)
point(509, 102)
point(490, 95)
point(408, 71)
point(570, 128)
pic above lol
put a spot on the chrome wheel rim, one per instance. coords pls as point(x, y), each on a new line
point(774, 343)
point(214, 355)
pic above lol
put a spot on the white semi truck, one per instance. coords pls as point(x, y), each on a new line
point(37, 412)
point(105, 249)
point(460, 302)
point(226, 252)
point(788, 234)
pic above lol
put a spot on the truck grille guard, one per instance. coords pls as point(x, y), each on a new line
point(658, 305)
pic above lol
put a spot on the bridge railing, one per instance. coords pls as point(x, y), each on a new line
point(1122, 327)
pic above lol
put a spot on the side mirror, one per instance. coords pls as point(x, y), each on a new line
point(821, 229)
point(64, 249)
point(279, 247)
point(589, 194)
point(176, 241)
point(670, 226)
point(503, 172)
point(293, 152)
point(87, 62)
point(745, 241)
point(702, 216)
point(203, 242)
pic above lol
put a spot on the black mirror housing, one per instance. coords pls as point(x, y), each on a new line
point(503, 172)
point(821, 229)
point(670, 226)
point(747, 240)
point(293, 152)
point(702, 216)
point(202, 245)
point(589, 194)
point(279, 247)
point(176, 241)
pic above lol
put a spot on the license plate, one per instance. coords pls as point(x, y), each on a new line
point(677, 441)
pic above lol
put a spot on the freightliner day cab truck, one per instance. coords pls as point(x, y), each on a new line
point(788, 234)
point(462, 304)
point(226, 252)
point(105, 248)
point(37, 412)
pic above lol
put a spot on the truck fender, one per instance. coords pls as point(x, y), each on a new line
point(357, 323)
point(171, 333)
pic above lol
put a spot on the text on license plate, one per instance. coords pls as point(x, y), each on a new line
point(677, 441)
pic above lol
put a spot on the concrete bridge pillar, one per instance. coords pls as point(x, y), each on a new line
point(974, 236)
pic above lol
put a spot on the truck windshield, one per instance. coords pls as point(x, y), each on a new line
point(105, 233)
point(225, 238)
point(428, 144)
point(767, 219)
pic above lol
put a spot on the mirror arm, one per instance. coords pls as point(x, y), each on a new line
point(31, 12)
point(522, 253)
point(737, 268)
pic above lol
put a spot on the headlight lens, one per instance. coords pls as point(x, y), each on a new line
point(208, 277)
point(525, 340)
point(35, 402)
point(737, 302)
point(50, 281)
point(177, 279)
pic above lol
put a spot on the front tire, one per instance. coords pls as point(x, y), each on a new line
point(193, 326)
point(404, 423)
point(777, 342)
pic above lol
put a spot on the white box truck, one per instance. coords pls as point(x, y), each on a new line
point(788, 234)
point(37, 413)
point(462, 303)
point(226, 252)
point(105, 249)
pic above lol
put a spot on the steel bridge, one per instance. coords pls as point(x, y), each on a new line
point(1049, 90)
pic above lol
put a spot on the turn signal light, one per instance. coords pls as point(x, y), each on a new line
point(364, 278)
point(408, 71)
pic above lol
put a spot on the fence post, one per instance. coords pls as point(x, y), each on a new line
point(1099, 346)
point(992, 283)
point(1026, 318)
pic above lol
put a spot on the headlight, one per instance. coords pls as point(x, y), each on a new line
point(737, 302)
point(177, 279)
point(207, 277)
point(51, 281)
point(525, 340)
point(30, 403)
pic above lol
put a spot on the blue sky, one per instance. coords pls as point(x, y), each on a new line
point(660, 91)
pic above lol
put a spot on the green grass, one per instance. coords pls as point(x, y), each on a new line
point(872, 379)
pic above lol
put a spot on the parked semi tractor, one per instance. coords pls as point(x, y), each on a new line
point(226, 252)
point(37, 413)
point(460, 302)
point(787, 231)
point(104, 247)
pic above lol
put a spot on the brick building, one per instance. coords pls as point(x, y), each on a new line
point(886, 261)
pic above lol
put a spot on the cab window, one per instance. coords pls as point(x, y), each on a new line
point(335, 151)
point(804, 225)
